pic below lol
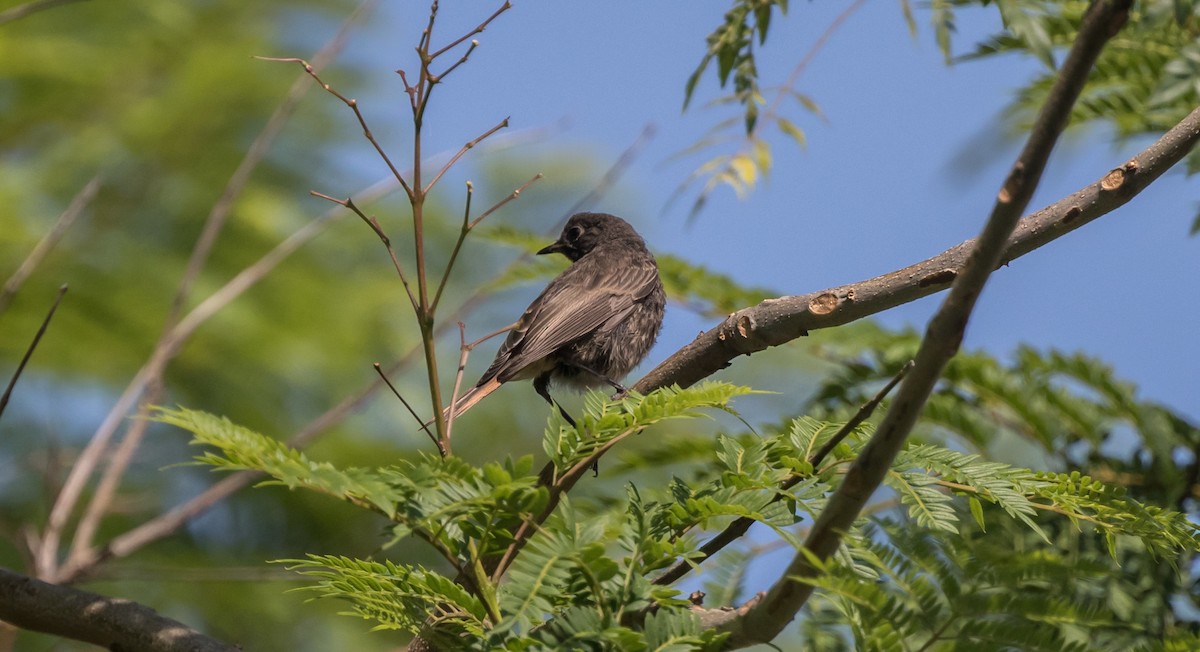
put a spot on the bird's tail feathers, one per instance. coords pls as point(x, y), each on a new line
point(468, 400)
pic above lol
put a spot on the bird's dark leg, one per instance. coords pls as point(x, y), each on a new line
point(621, 389)
point(541, 385)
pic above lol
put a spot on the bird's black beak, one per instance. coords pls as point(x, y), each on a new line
point(556, 248)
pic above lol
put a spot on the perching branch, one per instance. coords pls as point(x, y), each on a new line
point(111, 623)
point(763, 620)
point(778, 321)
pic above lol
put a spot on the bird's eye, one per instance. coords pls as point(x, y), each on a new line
point(573, 233)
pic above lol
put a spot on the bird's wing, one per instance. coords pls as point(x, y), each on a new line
point(576, 303)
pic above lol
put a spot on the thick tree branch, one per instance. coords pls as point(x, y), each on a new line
point(763, 620)
point(111, 623)
point(778, 321)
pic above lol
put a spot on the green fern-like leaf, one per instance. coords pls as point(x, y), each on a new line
point(396, 596)
point(244, 449)
point(605, 422)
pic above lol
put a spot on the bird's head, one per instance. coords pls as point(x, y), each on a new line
point(585, 231)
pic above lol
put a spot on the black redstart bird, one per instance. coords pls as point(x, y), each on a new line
point(592, 324)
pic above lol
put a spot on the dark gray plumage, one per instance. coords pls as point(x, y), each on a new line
point(592, 324)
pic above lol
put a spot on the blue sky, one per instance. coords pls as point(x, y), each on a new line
point(905, 164)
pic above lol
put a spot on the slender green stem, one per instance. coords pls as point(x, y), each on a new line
point(458, 243)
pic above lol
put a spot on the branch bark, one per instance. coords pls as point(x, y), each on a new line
point(111, 623)
point(763, 619)
point(780, 320)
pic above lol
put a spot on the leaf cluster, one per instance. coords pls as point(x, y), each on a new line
point(1123, 474)
point(946, 576)
point(732, 46)
point(471, 516)
point(912, 588)
point(1145, 81)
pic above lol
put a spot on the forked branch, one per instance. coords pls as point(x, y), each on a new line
point(362, 121)
point(763, 620)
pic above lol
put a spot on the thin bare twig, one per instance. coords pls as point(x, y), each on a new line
point(864, 412)
point(427, 80)
point(463, 150)
point(478, 30)
point(163, 525)
point(173, 332)
point(348, 203)
point(458, 243)
point(419, 95)
point(353, 104)
point(764, 619)
point(500, 204)
point(82, 199)
point(37, 337)
point(464, 352)
point(435, 79)
point(469, 225)
point(379, 370)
